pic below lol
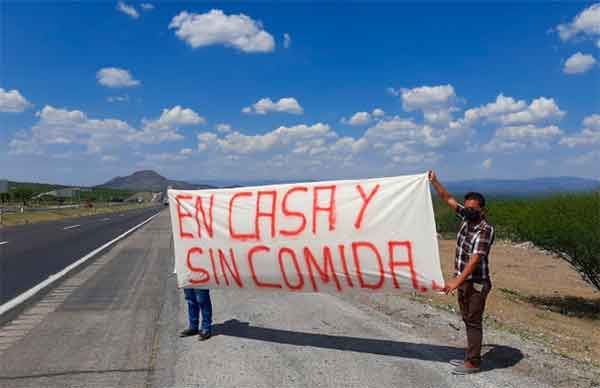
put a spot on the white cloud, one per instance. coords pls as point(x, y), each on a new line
point(592, 121)
point(205, 140)
point(183, 154)
point(416, 158)
point(165, 127)
point(487, 164)
point(51, 115)
point(508, 111)
point(363, 118)
point(83, 135)
point(349, 144)
point(579, 63)
point(513, 138)
point(57, 126)
point(176, 116)
point(427, 97)
point(223, 128)
point(124, 98)
point(436, 102)
point(540, 109)
point(127, 10)
point(290, 137)
point(395, 129)
point(502, 106)
point(302, 150)
point(529, 131)
point(359, 118)
point(585, 23)
point(215, 27)
point(589, 135)
point(114, 77)
point(147, 6)
point(287, 40)
point(266, 105)
point(407, 136)
point(12, 101)
point(522, 125)
point(377, 113)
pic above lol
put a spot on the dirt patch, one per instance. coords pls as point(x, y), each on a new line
point(540, 296)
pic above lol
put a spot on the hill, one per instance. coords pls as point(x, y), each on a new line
point(148, 180)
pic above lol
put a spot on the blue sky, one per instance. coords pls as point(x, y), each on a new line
point(216, 92)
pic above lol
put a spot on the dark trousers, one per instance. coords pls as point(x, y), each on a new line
point(472, 305)
point(198, 302)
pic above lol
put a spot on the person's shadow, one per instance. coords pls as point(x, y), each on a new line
point(497, 357)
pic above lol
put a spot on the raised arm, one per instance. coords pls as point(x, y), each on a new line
point(442, 192)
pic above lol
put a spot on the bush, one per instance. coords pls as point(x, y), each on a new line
point(567, 225)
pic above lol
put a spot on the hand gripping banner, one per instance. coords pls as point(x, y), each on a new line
point(338, 236)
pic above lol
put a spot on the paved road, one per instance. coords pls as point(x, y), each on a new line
point(114, 324)
point(30, 253)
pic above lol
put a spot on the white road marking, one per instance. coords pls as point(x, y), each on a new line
point(105, 219)
point(3, 242)
point(71, 227)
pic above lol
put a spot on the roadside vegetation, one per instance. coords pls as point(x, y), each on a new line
point(24, 193)
point(24, 204)
point(567, 225)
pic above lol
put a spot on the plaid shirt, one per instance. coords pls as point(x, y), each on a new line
point(473, 240)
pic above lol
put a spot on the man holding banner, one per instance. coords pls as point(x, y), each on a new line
point(372, 235)
point(472, 275)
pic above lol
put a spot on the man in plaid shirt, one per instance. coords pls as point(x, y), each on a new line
point(471, 270)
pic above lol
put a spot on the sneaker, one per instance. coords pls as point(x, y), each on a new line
point(204, 335)
point(463, 370)
point(188, 332)
point(457, 362)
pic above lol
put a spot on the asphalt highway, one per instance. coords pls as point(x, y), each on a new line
point(30, 253)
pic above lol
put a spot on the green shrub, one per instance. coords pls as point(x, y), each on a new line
point(567, 225)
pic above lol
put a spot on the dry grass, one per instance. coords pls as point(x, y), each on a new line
point(9, 219)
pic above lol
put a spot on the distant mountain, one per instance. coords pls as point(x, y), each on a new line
point(495, 187)
point(148, 180)
point(524, 187)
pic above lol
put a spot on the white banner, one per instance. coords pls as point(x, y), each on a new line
point(337, 236)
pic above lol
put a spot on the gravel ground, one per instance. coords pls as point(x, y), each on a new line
point(502, 345)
